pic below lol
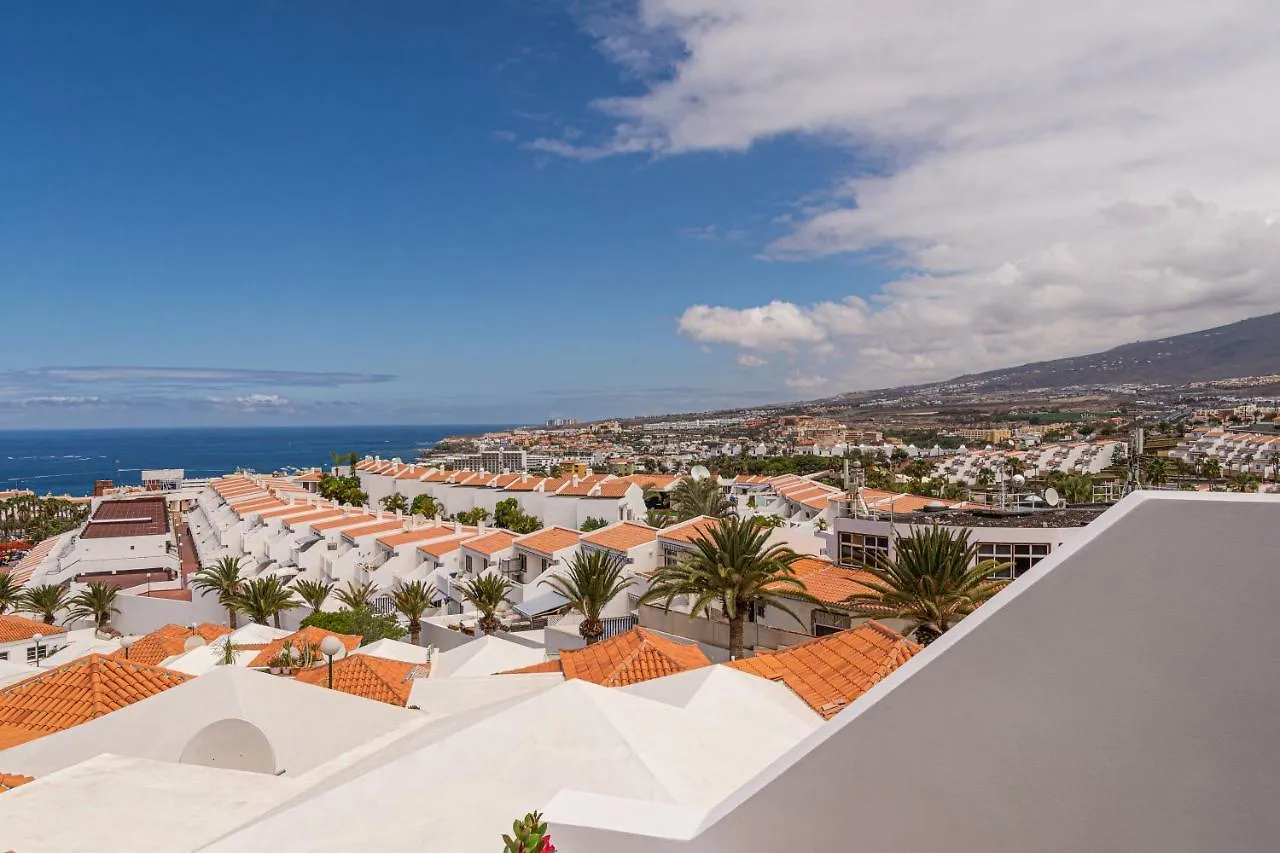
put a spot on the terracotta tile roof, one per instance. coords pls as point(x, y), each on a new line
point(440, 547)
point(830, 672)
point(353, 520)
point(310, 517)
point(549, 540)
point(491, 543)
point(289, 510)
point(622, 536)
point(630, 658)
point(76, 692)
point(828, 582)
point(612, 489)
point(166, 642)
point(505, 480)
point(522, 484)
point(171, 594)
point(553, 485)
point(545, 666)
point(584, 486)
point(687, 531)
point(25, 568)
point(309, 635)
point(661, 482)
point(365, 675)
point(422, 534)
point(9, 781)
point(386, 525)
point(312, 477)
point(14, 627)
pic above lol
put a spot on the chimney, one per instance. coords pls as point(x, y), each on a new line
point(457, 527)
point(575, 480)
point(480, 528)
point(399, 515)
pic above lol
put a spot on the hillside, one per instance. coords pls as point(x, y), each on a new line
point(1247, 348)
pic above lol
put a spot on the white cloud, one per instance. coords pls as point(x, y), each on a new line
point(1052, 178)
point(807, 383)
point(253, 402)
point(746, 359)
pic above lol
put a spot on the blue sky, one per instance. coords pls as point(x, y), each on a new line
point(407, 212)
point(346, 188)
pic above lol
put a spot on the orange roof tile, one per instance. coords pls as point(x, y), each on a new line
point(828, 582)
point(14, 628)
point(442, 546)
point(308, 636)
point(76, 692)
point(293, 511)
point(584, 486)
point(630, 658)
point(372, 677)
point(687, 531)
point(422, 534)
point(384, 526)
point(661, 482)
point(491, 543)
point(622, 536)
point(353, 520)
point(166, 642)
point(552, 485)
point(613, 489)
point(549, 540)
point(523, 484)
point(830, 672)
point(545, 666)
point(9, 781)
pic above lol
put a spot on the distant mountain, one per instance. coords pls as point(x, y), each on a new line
point(1247, 348)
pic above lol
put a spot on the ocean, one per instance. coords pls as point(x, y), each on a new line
point(69, 461)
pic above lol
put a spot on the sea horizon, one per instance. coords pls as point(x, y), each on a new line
point(70, 461)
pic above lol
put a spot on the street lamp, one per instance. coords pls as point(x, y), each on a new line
point(38, 638)
point(329, 647)
point(126, 642)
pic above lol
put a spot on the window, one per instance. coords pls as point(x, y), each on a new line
point(860, 549)
point(32, 650)
point(757, 612)
point(826, 622)
point(4, 655)
point(468, 564)
point(671, 556)
point(1018, 558)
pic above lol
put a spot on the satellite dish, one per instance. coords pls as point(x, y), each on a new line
point(699, 472)
point(1018, 479)
point(1051, 496)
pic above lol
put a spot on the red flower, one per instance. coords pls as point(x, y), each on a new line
point(547, 846)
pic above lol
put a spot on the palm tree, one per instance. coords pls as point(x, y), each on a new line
point(1213, 469)
point(486, 594)
point(1076, 488)
point(1156, 471)
point(593, 580)
point(357, 596)
point(733, 566)
point(933, 581)
point(224, 580)
point(265, 598)
point(10, 592)
point(395, 503)
point(44, 600)
point(313, 593)
point(97, 602)
point(412, 600)
point(426, 506)
point(692, 498)
point(1243, 482)
point(657, 517)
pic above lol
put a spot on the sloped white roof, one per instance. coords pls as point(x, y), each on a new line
point(484, 656)
point(204, 658)
point(395, 650)
point(80, 642)
point(124, 805)
point(305, 725)
point(440, 697)
point(720, 692)
point(1103, 702)
point(576, 735)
